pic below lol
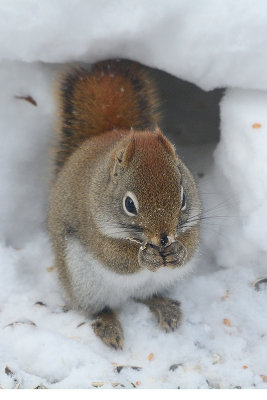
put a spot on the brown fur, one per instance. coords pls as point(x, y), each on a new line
point(112, 95)
point(106, 150)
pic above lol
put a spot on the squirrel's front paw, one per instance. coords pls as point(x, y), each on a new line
point(153, 257)
point(167, 311)
point(108, 328)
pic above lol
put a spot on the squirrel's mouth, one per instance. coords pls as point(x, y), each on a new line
point(153, 257)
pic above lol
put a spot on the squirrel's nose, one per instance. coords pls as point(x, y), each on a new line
point(162, 240)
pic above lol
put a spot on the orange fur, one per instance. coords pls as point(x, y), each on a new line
point(112, 95)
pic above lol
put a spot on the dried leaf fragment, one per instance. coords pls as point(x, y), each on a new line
point(216, 358)
point(17, 382)
point(41, 386)
point(27, 322)
point(258, 283)
point(226, 295)
point(8, 371)
point(227, 322)
point(150, 357)
point(264, 378)
point(115, 384)
point(29, 99)
point(118, 368)
point(245, 367)
point(97, 384)
point(213, 385)
point(50, 269)
point(256, 125)
point(173, 367)
point(40, 303)
point(81, 324)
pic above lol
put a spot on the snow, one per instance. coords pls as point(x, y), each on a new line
point(223, 337)
point(212, 44)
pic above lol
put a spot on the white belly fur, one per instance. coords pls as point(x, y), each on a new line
point(95, 286)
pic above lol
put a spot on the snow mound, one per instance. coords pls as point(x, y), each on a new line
point(221, 341)
point(212, 44)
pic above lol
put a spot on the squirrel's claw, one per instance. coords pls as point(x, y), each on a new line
point(108, 328)
point(167, 311)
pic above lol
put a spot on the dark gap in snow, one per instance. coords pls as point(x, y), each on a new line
point(190, 119)
point(190, 114)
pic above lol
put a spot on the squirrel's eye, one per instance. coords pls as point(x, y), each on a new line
point(183, 198)
point(130, 205)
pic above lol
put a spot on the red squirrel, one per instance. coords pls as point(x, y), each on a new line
point(123, 207)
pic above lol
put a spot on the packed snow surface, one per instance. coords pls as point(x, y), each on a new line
point(222, 340)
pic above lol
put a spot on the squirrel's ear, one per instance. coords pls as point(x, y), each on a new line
point(123, 156)
point(129, 152)
point(165, 142)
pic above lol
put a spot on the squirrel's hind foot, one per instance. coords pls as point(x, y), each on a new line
point(108, 328)
point(167, 311)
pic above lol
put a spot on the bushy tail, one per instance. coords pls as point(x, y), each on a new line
point(114, 94)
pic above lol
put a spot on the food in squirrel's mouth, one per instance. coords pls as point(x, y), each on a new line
point(153, 257)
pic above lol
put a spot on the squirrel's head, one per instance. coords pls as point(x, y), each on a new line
point(150, 198)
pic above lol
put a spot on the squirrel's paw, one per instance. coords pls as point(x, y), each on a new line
point(167, 311)
point(108, 328)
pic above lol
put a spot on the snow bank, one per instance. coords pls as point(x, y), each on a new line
point(223, 336)
point(241, 157)
point(25, 134)
point(210, 43)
